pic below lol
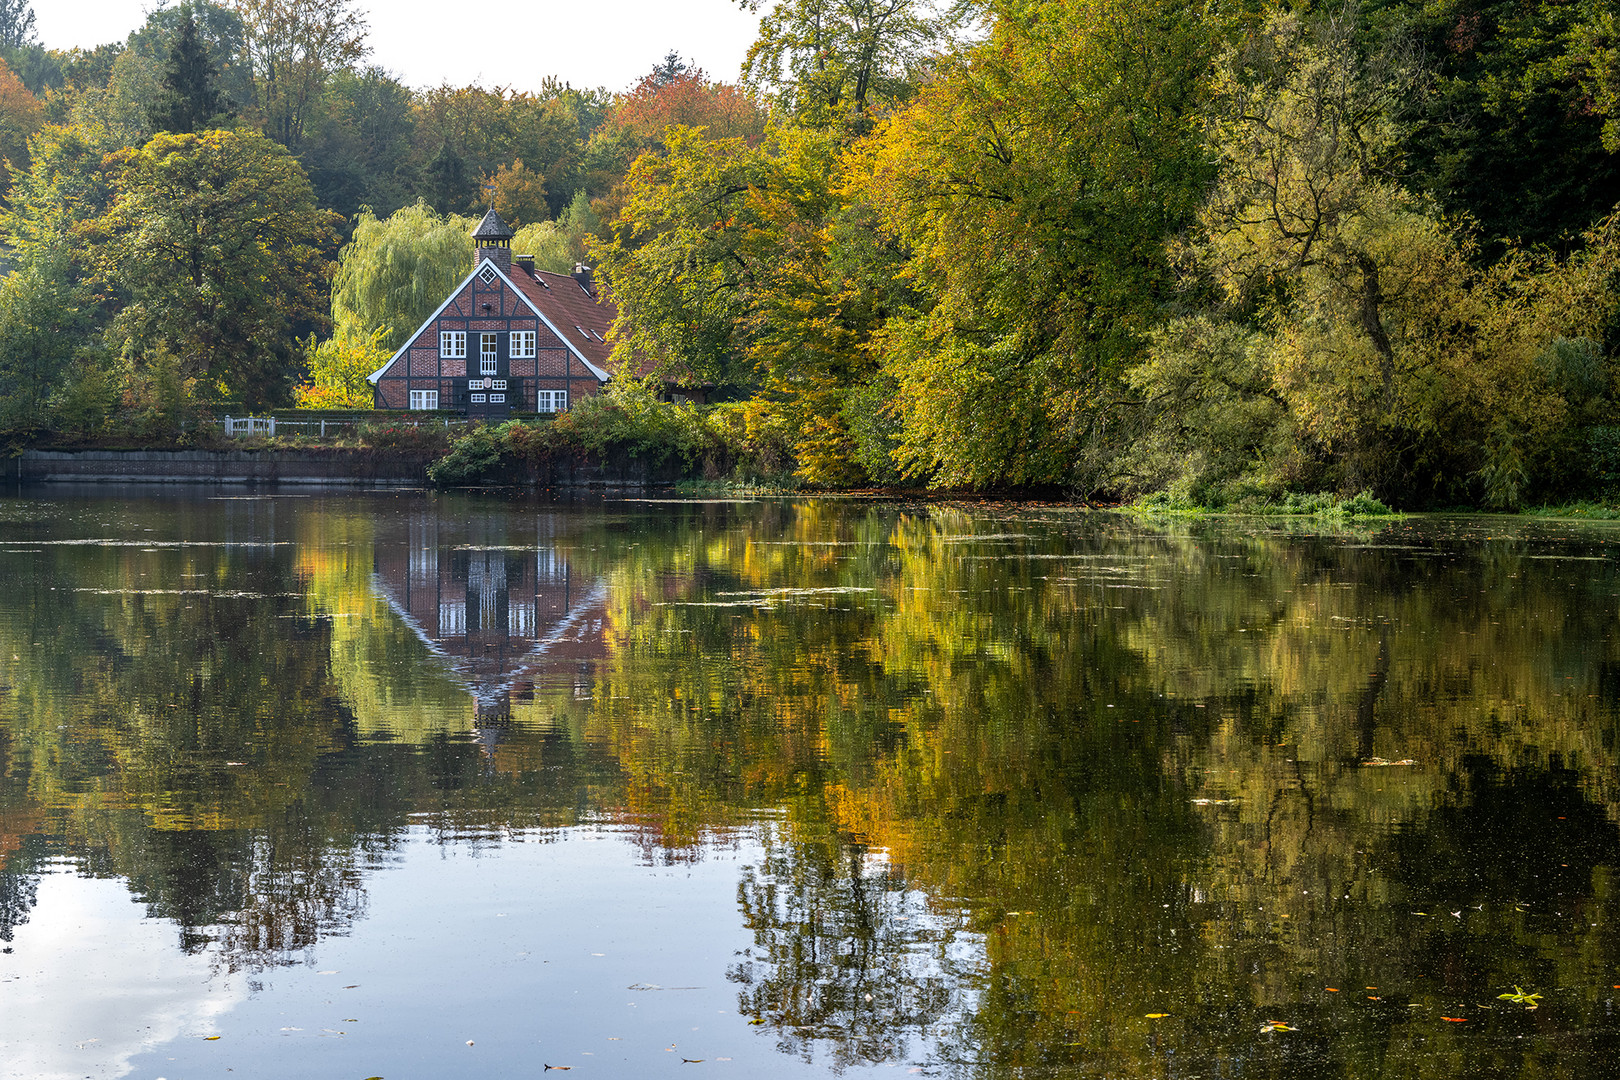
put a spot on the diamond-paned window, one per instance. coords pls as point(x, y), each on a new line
point(487, 274)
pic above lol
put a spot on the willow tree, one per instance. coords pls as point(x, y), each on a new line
point(396, 271)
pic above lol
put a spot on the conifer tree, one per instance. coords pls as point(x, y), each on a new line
point(188, 100)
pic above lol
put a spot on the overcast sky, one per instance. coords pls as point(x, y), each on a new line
point(609, 43)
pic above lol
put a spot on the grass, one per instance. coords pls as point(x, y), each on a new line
point(1294, 504)
point(1588, 511)
point(778, 484)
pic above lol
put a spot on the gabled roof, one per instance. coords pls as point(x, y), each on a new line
point(575, 314)
point(580, 321)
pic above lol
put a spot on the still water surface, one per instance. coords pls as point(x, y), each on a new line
point(416, 786)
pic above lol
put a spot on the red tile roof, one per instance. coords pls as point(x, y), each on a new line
point(580, 317)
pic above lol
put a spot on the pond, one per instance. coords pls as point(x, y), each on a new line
point(403, 785)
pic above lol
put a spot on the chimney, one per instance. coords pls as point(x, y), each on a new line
point(525, 263)
point(582, 274)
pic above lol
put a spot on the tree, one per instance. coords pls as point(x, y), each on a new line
point(338, 371)
point(1034, 181)
point(294, 47)
point(217, 240)
point(220, 33)
point(21, 114)
point(738, 265)
point(396, 271)
point(690, 100)
point(16, 23)
point(1508, 127)
point(44, 318)
point(446, 181)
point(667, 70)
point(117, 113)
point(187, 99)
point(359, 153)
point(562, 243)
point(1405, 361)
point(488, 128)
point(834, 62)
point(520, 195)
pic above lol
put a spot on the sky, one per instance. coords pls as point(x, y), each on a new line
point(609, 43)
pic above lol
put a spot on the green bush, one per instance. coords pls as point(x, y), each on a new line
point(474, 458)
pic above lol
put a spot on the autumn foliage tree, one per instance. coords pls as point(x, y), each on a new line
point(688, 99)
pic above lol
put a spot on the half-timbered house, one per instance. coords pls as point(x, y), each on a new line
point(509, 338)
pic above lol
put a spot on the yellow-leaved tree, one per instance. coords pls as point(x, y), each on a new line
point(338, 369)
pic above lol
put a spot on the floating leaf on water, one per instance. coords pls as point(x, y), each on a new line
point(1157, 1016)
point(211, 1038)
point(1455, 1019)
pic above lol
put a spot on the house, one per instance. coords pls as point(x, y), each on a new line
point(508, 338)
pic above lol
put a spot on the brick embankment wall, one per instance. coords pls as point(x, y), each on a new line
point(220, 467)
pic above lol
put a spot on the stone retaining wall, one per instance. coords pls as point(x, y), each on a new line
point(220, 467)
point(335, 468)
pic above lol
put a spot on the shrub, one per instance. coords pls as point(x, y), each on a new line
point(474, 457)
point(427, 438)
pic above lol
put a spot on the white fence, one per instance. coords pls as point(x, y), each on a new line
point(242, 426)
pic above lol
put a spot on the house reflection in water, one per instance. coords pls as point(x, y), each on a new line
point(501, 615)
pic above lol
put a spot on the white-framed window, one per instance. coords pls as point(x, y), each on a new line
point(487, 353)
point(522, 344)
point(479, 399)
point(497, 399)
point(424, 399)
point(452, 618)
point(453, 344)
point(497, 384)
point(551, 401)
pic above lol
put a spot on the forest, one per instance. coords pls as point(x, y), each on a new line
point(1203, 254)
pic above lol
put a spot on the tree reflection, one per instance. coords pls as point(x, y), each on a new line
point(846, 956)
point(1046, 794)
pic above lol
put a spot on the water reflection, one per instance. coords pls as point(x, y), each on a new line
point(1024, 793)
point(500, 613)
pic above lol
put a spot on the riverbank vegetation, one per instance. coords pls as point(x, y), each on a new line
point(1115, 248)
